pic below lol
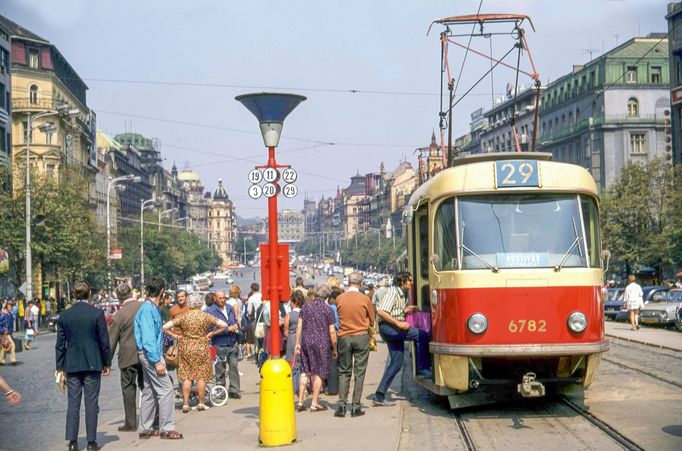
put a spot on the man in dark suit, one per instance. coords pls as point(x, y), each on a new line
point(82, 352)
point(122, 331)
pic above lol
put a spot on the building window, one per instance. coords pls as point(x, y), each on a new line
point(656, 74)
point(2, 97)
point(638, 143)
point(631, 74)
point(24, 130)
point(570, 118)
point(33, 94)
point(33, 58)
point(3, 143)
point(633, 107)
point(593, 79)
point(48, 138)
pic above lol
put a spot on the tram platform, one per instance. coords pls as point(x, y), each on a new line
point(649, 335)
point(236, 424)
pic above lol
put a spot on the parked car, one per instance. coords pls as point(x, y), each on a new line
point(614, 303)
point(652, 294)
point(665, 312)
point(52, 322)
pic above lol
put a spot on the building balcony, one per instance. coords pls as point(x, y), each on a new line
point(611, 120)
point(25, 105)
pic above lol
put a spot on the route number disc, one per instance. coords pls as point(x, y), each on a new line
point(255, 176)
point(255, 191)
point(289, 175)
point(290, 191)
point(270, 174)
point(269, 189)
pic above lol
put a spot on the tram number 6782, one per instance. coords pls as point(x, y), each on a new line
point(522, 325)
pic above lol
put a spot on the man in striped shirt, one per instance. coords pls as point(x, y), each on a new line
point(393, 329)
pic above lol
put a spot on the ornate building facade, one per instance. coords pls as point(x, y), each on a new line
point(222, 224)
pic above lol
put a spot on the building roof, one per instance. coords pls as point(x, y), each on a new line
point(16, 30)
point(638, 47)
point(188, 175)
point(107, 142)
point(220, 193)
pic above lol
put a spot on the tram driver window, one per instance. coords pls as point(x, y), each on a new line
point(444, 236)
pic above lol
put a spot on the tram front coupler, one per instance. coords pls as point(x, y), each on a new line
point(529, 387)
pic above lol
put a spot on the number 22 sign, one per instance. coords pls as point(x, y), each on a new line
point(516, 174)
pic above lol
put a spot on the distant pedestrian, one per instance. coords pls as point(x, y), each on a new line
point(633, 300)
point(82, 352)
point(225, 342)
point(291, 321)
point(30, 325)
point(252, 304)
point(332, 385)
point(122, 332)
point(315, 335)
point(194, 339)
point(395, 331)
point(299, 286)
point(356, 317)
point(180, 306)
point(7, 346)
point(157, 394)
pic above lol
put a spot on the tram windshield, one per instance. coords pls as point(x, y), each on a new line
point(519, 231)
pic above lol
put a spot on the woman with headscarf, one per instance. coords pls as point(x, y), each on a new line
point(194, 341)
point(315, 336)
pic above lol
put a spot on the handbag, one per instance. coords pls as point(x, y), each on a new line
point(420, 320)
point(30, 332)
point(372, 340)
point(7, 343)
point(172, 355)
point(259, 332)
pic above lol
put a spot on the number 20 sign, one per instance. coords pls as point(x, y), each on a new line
point(516, 174)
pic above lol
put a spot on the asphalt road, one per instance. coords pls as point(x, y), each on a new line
point(38, 423)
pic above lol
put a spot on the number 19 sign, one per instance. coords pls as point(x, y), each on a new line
point(270, 176)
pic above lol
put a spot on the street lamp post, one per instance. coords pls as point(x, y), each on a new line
point(161, 213)
point(61, 110)
point(275, 428)
point(112, 182)
point(143, 205)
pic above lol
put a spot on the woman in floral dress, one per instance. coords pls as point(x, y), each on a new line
point(315, 335)
point(194, 341)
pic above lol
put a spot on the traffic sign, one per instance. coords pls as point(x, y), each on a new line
point(116, 254)
point(270, 174)
point(255, 191)
point(289, 175)
point(255, 176)
point(270, 189)
point(23, 287)
point(290, 191)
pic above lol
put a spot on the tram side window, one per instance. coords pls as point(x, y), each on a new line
point(591, 223)
point(424, 246)
point(444, 236)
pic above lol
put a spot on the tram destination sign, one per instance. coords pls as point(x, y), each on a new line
point(517, 174)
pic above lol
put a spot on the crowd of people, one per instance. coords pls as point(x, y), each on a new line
point(176, 344)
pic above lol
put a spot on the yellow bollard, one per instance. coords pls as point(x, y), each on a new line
point(277, 418)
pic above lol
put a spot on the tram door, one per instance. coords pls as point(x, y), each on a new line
point(420, 251)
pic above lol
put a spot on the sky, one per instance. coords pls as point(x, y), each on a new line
point(170, 69)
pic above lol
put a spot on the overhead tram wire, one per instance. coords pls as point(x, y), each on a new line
point(218, 127)
point(466, 53)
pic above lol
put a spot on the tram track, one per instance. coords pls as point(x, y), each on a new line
point(607, 429)
point(463, 432)
point(639, 370)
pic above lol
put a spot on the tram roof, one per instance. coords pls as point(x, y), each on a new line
point(475, 174)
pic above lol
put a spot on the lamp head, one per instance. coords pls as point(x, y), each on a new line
point(270, 109)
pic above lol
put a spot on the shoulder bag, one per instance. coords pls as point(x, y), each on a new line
point(372, 340)
point(260, 325)
point(172, 355)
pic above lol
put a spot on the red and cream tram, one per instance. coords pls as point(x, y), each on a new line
point(506, 258)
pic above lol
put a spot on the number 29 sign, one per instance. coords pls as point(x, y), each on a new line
point(516, 174)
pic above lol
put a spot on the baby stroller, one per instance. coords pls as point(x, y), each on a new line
point(216, 393)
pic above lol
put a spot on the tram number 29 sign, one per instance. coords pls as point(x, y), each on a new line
point(516, 173)
point(290, 191)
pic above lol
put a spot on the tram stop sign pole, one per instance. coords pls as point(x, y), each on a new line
point(277, 419)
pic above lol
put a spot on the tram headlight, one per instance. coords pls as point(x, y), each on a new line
point(577, 322)
point(477, 323)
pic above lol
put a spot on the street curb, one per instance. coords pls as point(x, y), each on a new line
point(654, 345)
